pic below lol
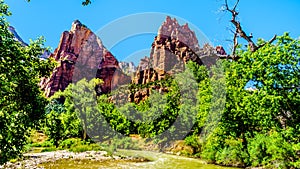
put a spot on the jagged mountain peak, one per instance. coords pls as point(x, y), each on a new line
point(81, 54)
point(77, 25)
point(16, 35)
point(127, 67)
point(171, 28)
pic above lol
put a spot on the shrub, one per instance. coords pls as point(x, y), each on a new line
point(49, 149)
point(43, 144)
point(271, 150)
point(194, 142)
point(68, 143)
point(232, 154)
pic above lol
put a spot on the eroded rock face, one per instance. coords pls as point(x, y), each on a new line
point(16, 36)
point(172, 48)
point(127, 67)
point(180, 33)
point(81, 54)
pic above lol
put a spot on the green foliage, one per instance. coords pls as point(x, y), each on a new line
point(154, 119)
point(125, 143)
point(232, 153)
point(78, 145)
point(22, 103)
point(84, 115)
point(60, 123)
point(199, 71)
point(46, 143)
point(112, 120)
point(259, 125)
point(54, 127)
point(194, 142)
point(68, 143)
point(271, 150)
point(82, 99)
point(86, 2)
point(49, 149)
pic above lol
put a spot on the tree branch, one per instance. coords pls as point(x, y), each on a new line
point(239, 32)
point(237, 2)
point(86, 2)
point(270, 41)
point(235, 43)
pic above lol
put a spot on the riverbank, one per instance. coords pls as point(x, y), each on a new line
point(38, 160)
point(123, 159)
point(75, 153)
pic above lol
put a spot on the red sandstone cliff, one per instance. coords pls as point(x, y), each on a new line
point(172, 48)
point(81, 54)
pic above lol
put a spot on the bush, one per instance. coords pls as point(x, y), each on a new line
point(232, 154)
point(271, 150)
point(43, 144)
point(86, 147)
point(68, 143)
point(78, 145)
point(212, 144)
point(126, 143)
point(194, 142)
point(81, 148)
point(49, 149)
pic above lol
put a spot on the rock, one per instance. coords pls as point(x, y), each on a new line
point(220, 50)
point(35, 160)
point(172, 48)
point(81, 54)
point(16, 36)
point(127, 68)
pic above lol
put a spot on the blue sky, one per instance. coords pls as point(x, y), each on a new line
point(49, 18)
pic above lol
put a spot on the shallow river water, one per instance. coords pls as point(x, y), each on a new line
point(158, 161)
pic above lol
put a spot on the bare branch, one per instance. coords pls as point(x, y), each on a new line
point(235, 42)
point(226, 5)
point(237, 2)
point(229, 29)
point(240, 32)
point(269, 42)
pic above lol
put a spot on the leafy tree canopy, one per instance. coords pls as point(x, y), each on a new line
point(21, 101)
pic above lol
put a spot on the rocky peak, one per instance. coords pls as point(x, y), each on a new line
point(16, 35)
point(127, 67)
point(76, 25)
point(172, 48)
point(220, 50)
point(179, 33)
point(45, 54)
point(81, 54)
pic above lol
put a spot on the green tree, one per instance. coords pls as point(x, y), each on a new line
point(54, 127)
point(262, 96)
point(61, 123)
point(80, 103)
point(88, 113)
point(21, 103)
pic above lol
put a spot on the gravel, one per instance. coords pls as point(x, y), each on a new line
point(32, 160)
